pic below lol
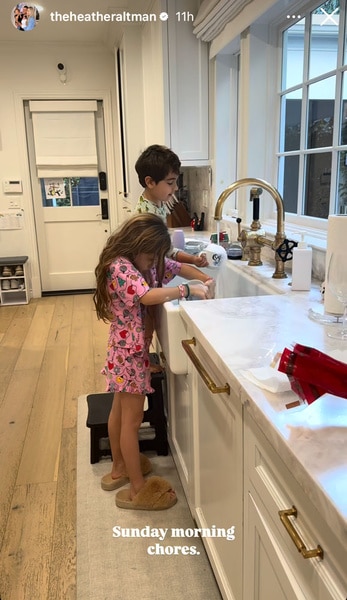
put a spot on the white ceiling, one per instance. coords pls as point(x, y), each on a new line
point(48, 31)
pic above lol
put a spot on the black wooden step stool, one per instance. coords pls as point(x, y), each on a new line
point(99, 407)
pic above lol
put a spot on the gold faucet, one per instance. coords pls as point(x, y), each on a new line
point(255, 238)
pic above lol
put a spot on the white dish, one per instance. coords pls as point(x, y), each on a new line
point(215, 255)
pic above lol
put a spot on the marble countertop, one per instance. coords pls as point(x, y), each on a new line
point(243, 333)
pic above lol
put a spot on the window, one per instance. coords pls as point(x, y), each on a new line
point(70, 191)
point(313, 113)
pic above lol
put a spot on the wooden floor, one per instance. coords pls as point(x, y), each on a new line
point(51, 352)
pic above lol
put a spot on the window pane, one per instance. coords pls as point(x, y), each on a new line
point(324, 38)
point(341, 207)
point(55, 192)
point(85, 191)
point(321, 113)
point(293, 55)
point(289, 165)
point(291, 121)
point(343, 125)
point(70, 191)
point(317, 185)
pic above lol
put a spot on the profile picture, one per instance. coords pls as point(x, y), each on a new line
point(24, 16)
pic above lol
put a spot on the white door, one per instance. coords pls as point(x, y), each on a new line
point(71, 215)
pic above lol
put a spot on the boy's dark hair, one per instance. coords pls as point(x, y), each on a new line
point(157, 162)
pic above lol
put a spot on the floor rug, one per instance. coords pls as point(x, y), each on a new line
point(124, 554)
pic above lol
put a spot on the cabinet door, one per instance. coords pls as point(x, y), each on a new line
point(218, 476)
point(267, 573)
point(188, 84)
point(180, 429)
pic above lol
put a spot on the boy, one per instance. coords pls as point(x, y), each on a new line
point(158, 168)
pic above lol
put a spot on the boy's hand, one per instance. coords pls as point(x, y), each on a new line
point(201, 260)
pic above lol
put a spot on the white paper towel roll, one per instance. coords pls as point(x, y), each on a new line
point(336, 242)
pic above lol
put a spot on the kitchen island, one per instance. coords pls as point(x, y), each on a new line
point(266, 458)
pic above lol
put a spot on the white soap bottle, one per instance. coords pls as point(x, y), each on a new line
point(302, 266)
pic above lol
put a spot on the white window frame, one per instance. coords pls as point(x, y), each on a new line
point(226, 75)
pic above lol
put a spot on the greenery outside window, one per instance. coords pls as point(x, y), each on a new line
point(313, 113)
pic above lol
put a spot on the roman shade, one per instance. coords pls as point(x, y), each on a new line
point(64, 138)
point(213, 15)
point(222, 21)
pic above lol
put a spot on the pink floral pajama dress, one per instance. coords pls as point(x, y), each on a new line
point(127, 363)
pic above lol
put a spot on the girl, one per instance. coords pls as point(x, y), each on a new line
point(31, 20)
point(131, 271)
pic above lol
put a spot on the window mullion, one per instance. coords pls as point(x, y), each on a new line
point(341, 41)
point(335, 142)
point(303, 133)
point(304, 114)
point(307, 47)
point(338, 109)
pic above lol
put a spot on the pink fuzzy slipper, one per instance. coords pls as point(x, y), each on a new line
point(110, 484)
point(156, 494)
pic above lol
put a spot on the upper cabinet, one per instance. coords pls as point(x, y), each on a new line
point(187, 60)
point(175, 69)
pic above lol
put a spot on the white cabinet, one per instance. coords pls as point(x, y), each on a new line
point(175, 83)
point(188, 84)
point(14, 280)
point(178, 410)
point(217, 454)
point(273, 566)
point(180, 429)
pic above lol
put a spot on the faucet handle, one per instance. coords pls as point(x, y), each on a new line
point(285, 250)
point(238, 221)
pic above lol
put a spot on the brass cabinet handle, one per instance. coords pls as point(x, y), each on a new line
point(284, 516)
point(215, 389)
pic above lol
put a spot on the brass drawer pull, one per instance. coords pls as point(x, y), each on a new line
point(215, 389)
point(284, 516)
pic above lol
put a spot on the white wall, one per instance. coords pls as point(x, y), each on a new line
point(28, 71)
point(134, 109)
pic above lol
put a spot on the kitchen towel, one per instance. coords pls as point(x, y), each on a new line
point(268, 378)
point(336, 241)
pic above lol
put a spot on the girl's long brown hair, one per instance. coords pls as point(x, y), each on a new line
point(142, 233)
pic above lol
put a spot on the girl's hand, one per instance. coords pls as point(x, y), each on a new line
point(211, 284)
point(201, 260)
point(199, 290)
